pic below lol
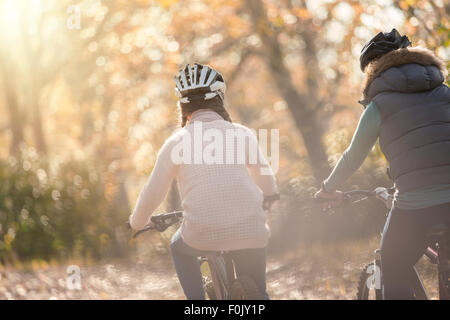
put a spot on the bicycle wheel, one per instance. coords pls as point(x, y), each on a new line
point(244, 288)
point(444, 268)
point(208, 286)
point(365, 291)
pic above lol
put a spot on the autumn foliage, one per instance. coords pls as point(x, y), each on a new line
point(86, 98)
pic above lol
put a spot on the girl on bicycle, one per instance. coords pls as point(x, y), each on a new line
point(222, 188)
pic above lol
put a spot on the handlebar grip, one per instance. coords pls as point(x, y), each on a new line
point(161, 222)
point(166, 216)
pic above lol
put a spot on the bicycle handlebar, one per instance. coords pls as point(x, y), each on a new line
point(366, 193)
point(161, 222)
point(166, 216)
point(381, 193)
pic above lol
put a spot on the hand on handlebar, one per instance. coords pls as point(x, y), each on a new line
point(329, 199)
point(149, 225)
point(160, 222)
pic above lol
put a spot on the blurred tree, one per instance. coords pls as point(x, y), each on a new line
point(429, 25)
point(35, 57)
point(427, 20)
point(16, 121)
point(290, 39)
point(102, 94)
point(303, 107)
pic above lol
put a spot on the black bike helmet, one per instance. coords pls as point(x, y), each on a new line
point(381, 44)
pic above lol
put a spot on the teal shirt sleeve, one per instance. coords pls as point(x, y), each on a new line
point(363, 140)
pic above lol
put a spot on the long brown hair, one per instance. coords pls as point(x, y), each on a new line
point(197, 102)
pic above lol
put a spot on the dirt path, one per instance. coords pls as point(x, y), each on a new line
point(124, 281)
point(297, 277)
point(105, 281)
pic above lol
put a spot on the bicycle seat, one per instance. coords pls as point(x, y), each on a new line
point(438, 231)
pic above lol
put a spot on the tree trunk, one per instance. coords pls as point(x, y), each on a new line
point(302, 107)
point(16, 122)
point(305, 120)
point(38, 131)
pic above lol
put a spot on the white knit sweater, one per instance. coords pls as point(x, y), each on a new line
point(222, 203)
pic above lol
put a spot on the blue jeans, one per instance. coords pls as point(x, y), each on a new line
point(404, 241)
point(250, 262)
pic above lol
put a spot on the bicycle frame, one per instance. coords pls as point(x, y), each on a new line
point(220, 264)
point(439, 256)
point(418, 288)
point(416, 282)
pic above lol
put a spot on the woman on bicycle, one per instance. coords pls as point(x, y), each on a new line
point(408, 110)
point(221, 185)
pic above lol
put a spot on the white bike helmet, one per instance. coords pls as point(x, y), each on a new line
point(199, 79)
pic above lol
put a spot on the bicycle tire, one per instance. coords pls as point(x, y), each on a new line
point(443, 288)
point(208, 286)
point(245, 288)
point(363, 292)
